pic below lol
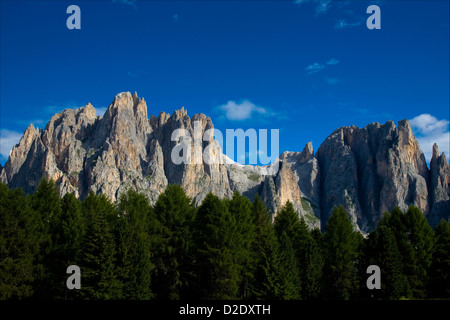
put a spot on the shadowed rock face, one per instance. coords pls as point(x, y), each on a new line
point(370, 170)
point(440, 187)
point(367, 170)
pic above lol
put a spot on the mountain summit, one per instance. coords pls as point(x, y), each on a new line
point(368, 170)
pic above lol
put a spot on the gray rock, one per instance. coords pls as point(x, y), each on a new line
point(440, 187)
point(371, 170)
point(367, 170)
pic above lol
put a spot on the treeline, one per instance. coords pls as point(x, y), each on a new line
point(224, 249)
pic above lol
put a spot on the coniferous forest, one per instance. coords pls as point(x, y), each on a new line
point(224, 249)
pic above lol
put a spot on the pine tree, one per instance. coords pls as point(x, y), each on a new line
point(174, 213)
point(341, 248)
point(218, 271)
point(67, 240)
point(440, 267)
point(46, 204)
point(287, 229)
point(133, 265)
point(310, 262)
point(266, 281)
point(420, 236)
point(241, 210)
point(287, 220)
point(18, 245)
point(98, 276)
point(414, 238)
point(382, 251)
point(290, 277)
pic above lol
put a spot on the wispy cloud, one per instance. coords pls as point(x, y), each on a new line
point(8, 139)
point(317, 66)
point(429, 130)
point(175, 17)
point(320, 6)
point(344, 24)
point(243, 110)
point(131, 3)
point(332, 61)
point(135, 74)
point(323, 7)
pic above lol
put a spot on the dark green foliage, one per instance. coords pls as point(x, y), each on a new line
point(440, 266)
point(227, 249)
point(241, 210)
point(287, 221)
point(18, 245)
point(174, 271)
point(341, 252)
point(381, 250)
point(46, 205)
point(290, 274)
point(215, 230)
point(420, 236)
point(97, 264)
point(265, 283)
point(287, 229)
point(133, 243)
point(67, 241)
point(414, 238)
point(310, 262)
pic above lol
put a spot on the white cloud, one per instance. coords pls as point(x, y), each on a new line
point(241, 111)
point(428, 131)
point(8, 139)
point(344, 24)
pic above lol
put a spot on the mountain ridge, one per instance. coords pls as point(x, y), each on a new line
point(367, 170)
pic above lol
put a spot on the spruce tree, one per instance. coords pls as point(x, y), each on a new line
point(341, 249)
point(98, 274)
point(439, 284)
point(241, 210)
point(414, 239)
point(310, 262)
point(290, 277)
point(46, 205)
point(174, 213)
point(133, 264)
point(287, 229)
point(382, 251)
point(218, 271)
point(287, 220)
point(19, 245)
point(266, 281)
point(420, 236)
point(67, 240)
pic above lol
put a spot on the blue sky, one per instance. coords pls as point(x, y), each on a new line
point(303, 67)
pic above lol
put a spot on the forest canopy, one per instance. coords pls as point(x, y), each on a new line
point(223, 249)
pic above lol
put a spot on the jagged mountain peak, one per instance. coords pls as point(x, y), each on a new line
point(367, 170)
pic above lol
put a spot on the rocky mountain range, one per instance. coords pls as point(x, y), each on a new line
point(368, 170)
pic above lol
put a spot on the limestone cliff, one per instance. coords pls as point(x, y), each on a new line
point(368, 170)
